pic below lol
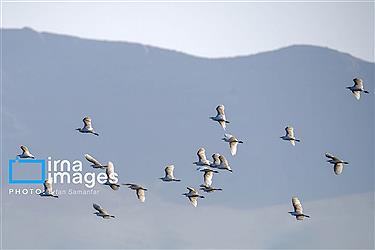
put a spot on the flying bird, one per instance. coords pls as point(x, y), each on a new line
point(289, 136)
point(95, 163)
point(298, 211)
point(139, 190)
point(25, 153)
point(87, 127)
point(202, 159)
point(357, 88)
point(233, 142)
point(209, 189)
point(216, 160)
point(338, 164)
point(111, 180)
point(101, 212)
point(48, 192)
point(224, 165)
point(193, 196)
point(207, 176)
point(169, 174)
point(220, 117)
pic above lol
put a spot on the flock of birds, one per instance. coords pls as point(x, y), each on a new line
point(209, 168)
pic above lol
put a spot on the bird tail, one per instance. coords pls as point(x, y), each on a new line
point(96, 134)
point(366, 91)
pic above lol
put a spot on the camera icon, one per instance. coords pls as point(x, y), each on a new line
point(27, 171)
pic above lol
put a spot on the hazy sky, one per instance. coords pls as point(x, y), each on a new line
point(151, 108)
point(208, 29)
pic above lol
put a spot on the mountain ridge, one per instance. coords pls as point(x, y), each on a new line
point(147, 46)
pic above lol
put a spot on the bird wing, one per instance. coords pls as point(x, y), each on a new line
point(133, 186)
point(358, 83)
point(338, 167)
point(92, 160)
point(194, 200)
point(191, 190)
point(99, 209)
point(297, 205)
point(48, 186)
point(110, 171)
point(87, 122)
point(216, 158)
point(300, 217)
point(202, 155)
point(228, 136)
point(329, 155)
point(169, 171)
point(290, 131)
point(223, 160)
point(220, 110)
point(357, 94)
point(223, 123)
point(114, 186)
point(207, 177)
point(141, 194)
point(25, 149)
point(233, 147)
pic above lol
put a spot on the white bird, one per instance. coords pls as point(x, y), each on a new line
point(209, 189)
point(25, 153)
point(216, 160)
point(298, 211)
point(48, 192)
point(111, 179)
point(202, 159)
point(220, 117)
point(338, 164)
point(207, 176)
point(289, 136)
point(101, 212)
point(193, 196)
point(233, 142)
point(95, 163)
point(139, 190)
point(87, 126)
point(357, 88)
point(169, 174)
point(224, 164)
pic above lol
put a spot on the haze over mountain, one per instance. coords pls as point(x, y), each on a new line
point(163, 99)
